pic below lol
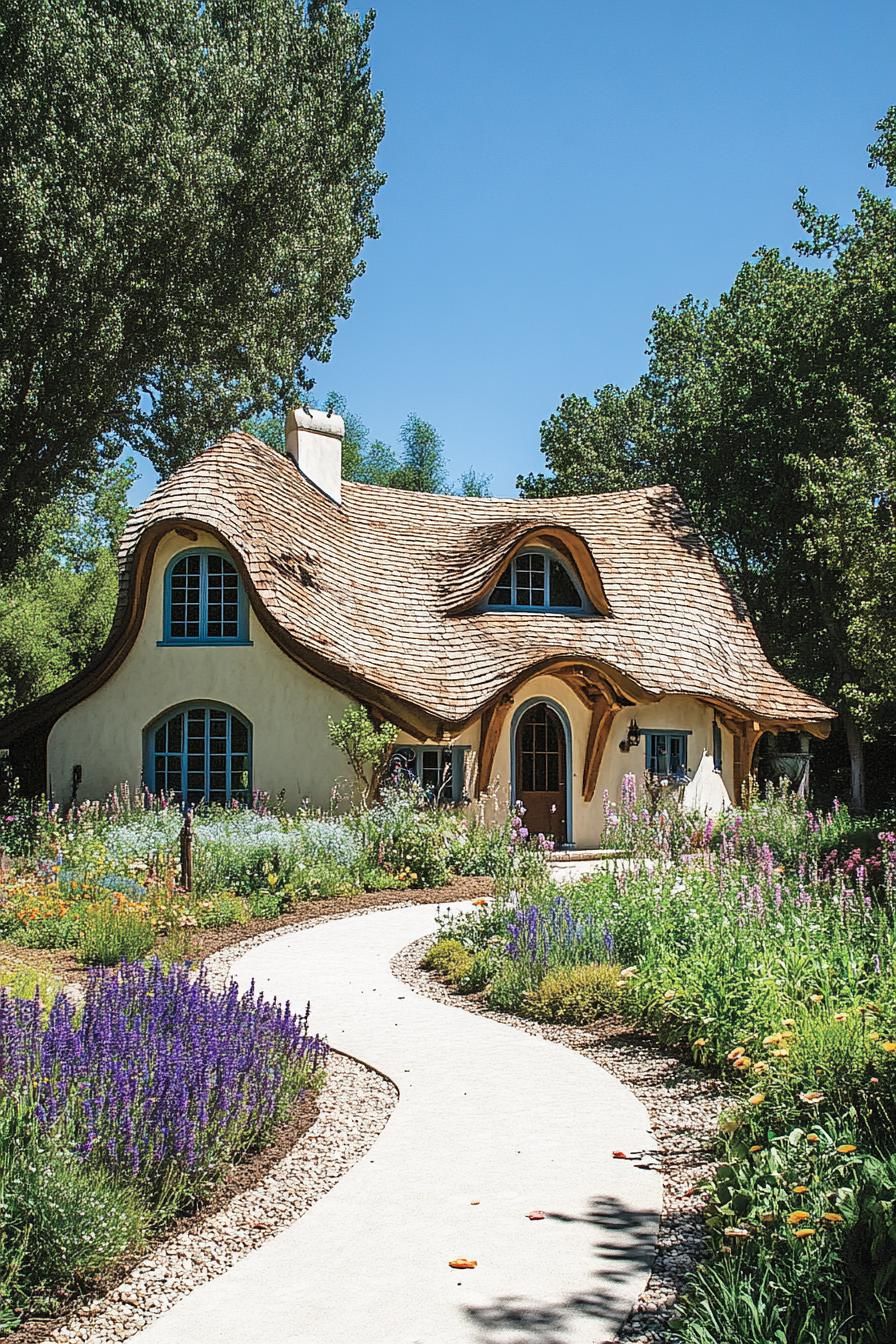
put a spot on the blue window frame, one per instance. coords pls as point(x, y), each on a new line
point(539, 581)
point(200, 753)
point(438, 770)
point(716, 745)
point(205, 601)
point(666, 753)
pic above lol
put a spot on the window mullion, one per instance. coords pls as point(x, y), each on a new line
point(227, 758)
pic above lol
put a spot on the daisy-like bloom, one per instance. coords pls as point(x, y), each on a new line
point(760, 1067)
point(846, 1147)
point(774, 1039)
point(628, 972)
point(812, 1138)
point(735, 1053)
point(755, 1147)
point(799, 1216)
point(700, 1041)
point(781, 1053)
point(799, 1189)
point(816, 998)
point(832, 1217)
point(803, 1232)
point(813, 1098)
point(669, 995)
point(889, 1046)
point(743, 1062)
point(840, 1017)
point(735, 1232)
point(766, 1218)
point(757, 1099)
point(874, 1035)
point(480, 900)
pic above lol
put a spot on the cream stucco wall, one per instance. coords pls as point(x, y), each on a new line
point(673, 712)
point(286, 706)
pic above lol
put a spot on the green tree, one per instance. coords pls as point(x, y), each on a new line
point(774, 414)
point(184, 193)
point(366, 746)
point(56, 606)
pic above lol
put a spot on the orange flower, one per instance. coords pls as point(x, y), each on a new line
point(800, 1216)
point(700, 1041)
point(832, 1217)
point(889, 1046)
point(743, 1062)
point(480, 900)
point(812, 1138)
point(804, 1232)
point(846, 1147)
point(812, 1097)
point(756, 1148)
point(757, 1099)
point(735, 1053)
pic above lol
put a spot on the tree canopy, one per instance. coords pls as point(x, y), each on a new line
point(774, 414)
point(184, 193)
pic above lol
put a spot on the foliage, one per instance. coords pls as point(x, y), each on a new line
point(56, 605)
point(61, 1221)
point(574, 994)
point(113, 931)
point(366, 746)
point(448, 957)
point(774, 415)
point(196, 189)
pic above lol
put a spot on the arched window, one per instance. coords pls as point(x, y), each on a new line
point(205, 602)
point(537, 580)
point(200, 753)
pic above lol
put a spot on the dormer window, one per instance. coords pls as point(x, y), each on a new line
point(205, 602)
point(537, 580)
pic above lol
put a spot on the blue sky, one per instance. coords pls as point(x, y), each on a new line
point(556, 171)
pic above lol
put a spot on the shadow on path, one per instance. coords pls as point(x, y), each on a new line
point(519, 1320)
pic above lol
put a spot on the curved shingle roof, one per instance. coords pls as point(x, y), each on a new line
point(376, 593)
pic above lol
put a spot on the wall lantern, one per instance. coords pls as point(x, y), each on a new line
point(632, 737)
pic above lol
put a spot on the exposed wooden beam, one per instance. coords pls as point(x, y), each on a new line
point(489, 732)
point(603, 712)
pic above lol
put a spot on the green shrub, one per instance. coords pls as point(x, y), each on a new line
point(483, 965)
point(222, 910)
point(574, 994)
point(508, 987)
point(61, 1222)
point(109, 933)
point(448, 957)
point(268, 902)
point(22, 981)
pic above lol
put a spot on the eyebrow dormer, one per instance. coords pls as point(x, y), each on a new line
point(536, 579)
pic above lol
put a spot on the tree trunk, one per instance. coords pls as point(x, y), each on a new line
point(856, 745)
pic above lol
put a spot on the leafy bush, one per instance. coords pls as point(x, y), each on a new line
point(114, 931)
point(61, 1221)
point(482, 967)
point(575, 994)
point(449, 958)
point(221, 910)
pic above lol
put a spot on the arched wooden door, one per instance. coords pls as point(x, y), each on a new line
point(541, 783)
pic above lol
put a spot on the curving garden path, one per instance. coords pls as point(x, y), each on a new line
point(491, 1124)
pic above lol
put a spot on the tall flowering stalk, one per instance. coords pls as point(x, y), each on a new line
point(162, 1078)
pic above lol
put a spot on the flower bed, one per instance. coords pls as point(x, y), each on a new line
point(781, 977)
point(117, 1117)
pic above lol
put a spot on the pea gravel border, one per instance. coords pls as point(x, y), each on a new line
point(683, 1104)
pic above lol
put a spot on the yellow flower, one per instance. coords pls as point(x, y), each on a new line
point(735, 1053)
point(846, 1147)
point(761, 1067)
point(832, 1217)
point(782, 1053)
point(669, 995)
point(742, 1062)
point(757, 1099)
point(799, 1189)
point(802, 1232)
point(773, 1039)
point(840, 1017)
point(787, 1022)
point(816, 998)
point(874, 1035)
point(700, 1042)
point(800, 1216)
point(756, 1148)
point(889, 1046)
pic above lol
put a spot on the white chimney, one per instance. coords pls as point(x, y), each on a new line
point(314, 442)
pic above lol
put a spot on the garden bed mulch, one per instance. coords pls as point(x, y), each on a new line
point(683, 1104)
point(319, 1142)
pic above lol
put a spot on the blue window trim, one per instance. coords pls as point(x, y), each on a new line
point(149, 732)
point(683, 733)
point(203, 639)
point(567, 733)
point(458, 765)
point(512, 605)
point(718, 757)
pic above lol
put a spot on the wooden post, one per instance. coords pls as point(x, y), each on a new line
point(186, 852)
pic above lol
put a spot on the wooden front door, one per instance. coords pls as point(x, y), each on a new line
point(540, 783)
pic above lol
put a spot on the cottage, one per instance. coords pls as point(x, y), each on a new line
point(526, 649)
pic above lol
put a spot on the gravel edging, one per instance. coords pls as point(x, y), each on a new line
point(353, 1109)
point(683, 1104)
